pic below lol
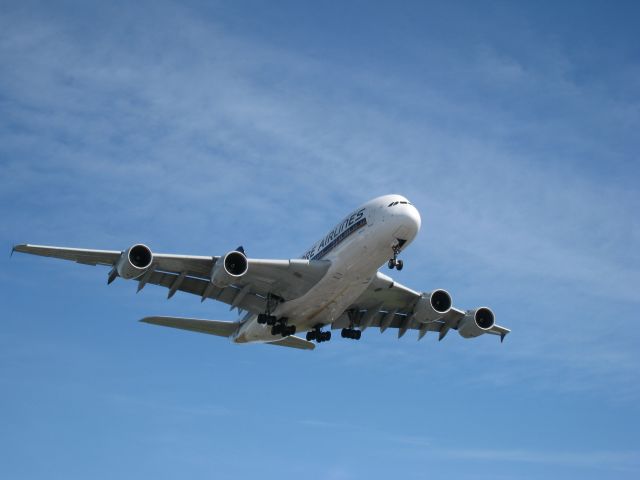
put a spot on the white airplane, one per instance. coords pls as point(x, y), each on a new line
point(335, 284)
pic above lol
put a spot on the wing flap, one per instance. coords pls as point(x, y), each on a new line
point(250, 301)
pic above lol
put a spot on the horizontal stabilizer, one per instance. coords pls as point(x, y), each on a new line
point(212, 327)
point(294, 342)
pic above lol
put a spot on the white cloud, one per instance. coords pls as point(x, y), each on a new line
point(162, 131)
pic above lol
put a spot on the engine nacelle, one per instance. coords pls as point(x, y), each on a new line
point(229, 269)
point(432, 306)
point(476, 322)
point(134, 261)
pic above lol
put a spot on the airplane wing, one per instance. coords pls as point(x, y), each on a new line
point(286, 279)
point(389, 304)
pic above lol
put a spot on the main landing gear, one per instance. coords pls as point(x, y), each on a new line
point(278, 325)
point(318, 335)
point(394, 262)
point(351, 333)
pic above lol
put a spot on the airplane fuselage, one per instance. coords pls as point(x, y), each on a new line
point(356, 248)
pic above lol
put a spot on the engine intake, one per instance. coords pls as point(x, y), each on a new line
point(476, 322)
point(134, 261)
point(432, 306)
point(229, 269)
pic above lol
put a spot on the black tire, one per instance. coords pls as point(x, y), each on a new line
point(276, 329)
point(399, 265)
point(358, 334)
point(292, 330)
point(391, 264)
point(311, 336)
point(343, 333)
point(327, 336)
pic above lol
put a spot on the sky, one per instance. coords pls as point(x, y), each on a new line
point(195, 127)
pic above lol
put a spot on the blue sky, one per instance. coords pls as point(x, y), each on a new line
point(196, 127)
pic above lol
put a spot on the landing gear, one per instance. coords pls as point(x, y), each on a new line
point(351, 333)
point(394, 262)
point(278, 325)
point(398, 264)
point(264, 318)
point(318, 335)
point(283, 329)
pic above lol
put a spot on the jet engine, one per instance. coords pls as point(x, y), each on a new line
point(476, 322)
point(229, 268)
point(432, 306)
point(134, 261)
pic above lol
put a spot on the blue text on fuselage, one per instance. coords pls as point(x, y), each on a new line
point(345, 228)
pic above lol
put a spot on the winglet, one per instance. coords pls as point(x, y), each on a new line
point(15, 248)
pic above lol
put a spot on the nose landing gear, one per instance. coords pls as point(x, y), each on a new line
point(394, 262)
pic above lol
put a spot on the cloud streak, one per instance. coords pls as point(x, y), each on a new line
point(99, 131)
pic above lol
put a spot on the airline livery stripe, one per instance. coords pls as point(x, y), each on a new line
point(340, 238)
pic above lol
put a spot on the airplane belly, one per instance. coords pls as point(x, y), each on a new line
point(353, 267)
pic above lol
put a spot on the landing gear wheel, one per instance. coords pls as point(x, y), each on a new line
point(318, 335)
point(262, 318)
point(276, 329)
point(393, 261)
point(351, 333)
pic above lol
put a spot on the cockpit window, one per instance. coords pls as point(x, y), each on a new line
point(396, 203)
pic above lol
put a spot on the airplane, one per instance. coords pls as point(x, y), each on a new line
point(336, 284)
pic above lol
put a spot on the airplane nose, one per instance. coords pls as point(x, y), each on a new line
point(413, 216)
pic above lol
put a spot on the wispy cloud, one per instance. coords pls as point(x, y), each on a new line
point(628, 460)
point(622, 461)
point(98, 133)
